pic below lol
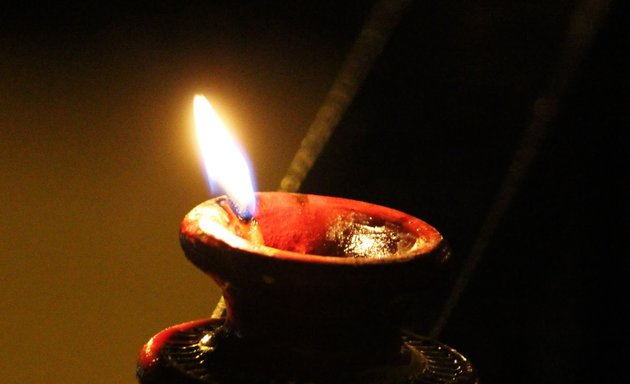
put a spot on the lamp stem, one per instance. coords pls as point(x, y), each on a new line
point(219, 310)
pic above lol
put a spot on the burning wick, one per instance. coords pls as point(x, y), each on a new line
point(224, 161)
point(245, 227)
point(243, 214)
point(227, 168)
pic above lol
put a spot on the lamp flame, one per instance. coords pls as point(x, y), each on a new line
point(225, 163)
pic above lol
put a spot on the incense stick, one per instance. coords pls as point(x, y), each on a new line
point(382, 20)
point(584, 22)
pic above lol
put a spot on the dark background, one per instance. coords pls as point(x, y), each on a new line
point(98, 165)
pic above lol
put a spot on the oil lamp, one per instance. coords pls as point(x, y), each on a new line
point(315, 290)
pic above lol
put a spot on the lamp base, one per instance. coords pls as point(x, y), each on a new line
point(181, 354)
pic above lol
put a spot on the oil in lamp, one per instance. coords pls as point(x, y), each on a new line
point(315, 287)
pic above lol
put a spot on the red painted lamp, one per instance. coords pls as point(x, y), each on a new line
point(315, 290)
